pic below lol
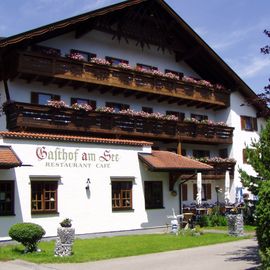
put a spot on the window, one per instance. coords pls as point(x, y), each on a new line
point(184, 192)
point(85, 55)
point(199, 117)
point(117, 106)
point(180, 115)
point(249, 123)
point(121, 195)
point(43, 98)
point(116, 61)
point(153, 194)
point(6, 198)
point(206, 192)
point(147, 109)
point(223, 153)
point(81, 101)
point(201, 153)
point(146, 67)
point(183, 152)
point(44, 197)
point(177, 73)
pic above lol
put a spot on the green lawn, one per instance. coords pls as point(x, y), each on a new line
point(113, 247)
point(247, 228)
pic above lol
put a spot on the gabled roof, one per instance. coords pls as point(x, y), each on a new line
point(170, 162)
point(148, 22)
point(8, 158)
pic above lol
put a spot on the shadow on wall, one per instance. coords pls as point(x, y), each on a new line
point(158, 217)
point(8, 221)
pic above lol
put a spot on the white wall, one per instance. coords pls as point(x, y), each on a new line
point(102, 45)
point(90, 212)
point(241, 137)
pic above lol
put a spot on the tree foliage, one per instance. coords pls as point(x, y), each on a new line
point(258, 156)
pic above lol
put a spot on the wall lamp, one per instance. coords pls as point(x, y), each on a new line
point(87, 184)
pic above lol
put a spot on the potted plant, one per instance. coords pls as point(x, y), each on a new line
point(66, 223)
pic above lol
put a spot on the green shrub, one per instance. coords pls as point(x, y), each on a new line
point(204, 221)
point(29, 234)
point(218, 220)
point(263, 221)
point(265, 258)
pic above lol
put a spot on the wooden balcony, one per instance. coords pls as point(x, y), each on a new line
point(218, 172)
point(65, 71)
point(41, 118)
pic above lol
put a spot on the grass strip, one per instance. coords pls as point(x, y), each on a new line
point(114, 247)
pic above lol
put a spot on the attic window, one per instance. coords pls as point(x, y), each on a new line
point(177, 73)
point(85, 56)
point(82, 101)
point(146, 67)
point(199, 117)
point(116, 61)
point(180, 115)
point(42, 98)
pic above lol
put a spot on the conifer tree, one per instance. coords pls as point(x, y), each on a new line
point(258, 156)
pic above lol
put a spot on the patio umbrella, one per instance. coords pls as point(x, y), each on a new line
point(227, 187)
point(199, 189)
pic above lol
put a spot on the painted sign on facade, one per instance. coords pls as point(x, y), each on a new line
point(60, 157)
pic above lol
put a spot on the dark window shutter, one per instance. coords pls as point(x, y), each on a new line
point(34, 97)
point(243, 123)
point(93, 104)
point(181, 116)
point(109, 104)
point(124, 106)
point(56, 97)
point(183, 152)
point(255, 125)
point(184, 192)
point(208, 192)
point(194, 191)
point(73, 100)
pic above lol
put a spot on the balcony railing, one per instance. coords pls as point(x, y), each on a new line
point(60, 68)
point(218, 172)
point(42, 118)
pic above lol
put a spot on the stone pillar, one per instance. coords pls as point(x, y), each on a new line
point(235, 225)
point(64, 241)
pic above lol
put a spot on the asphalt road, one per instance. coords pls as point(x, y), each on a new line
point(239, 255)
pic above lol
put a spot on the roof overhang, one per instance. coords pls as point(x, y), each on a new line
point(199, 53)
point(165, 161)
point(8, 158)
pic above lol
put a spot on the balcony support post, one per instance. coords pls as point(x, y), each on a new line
point(6, 90)
point(179, 148)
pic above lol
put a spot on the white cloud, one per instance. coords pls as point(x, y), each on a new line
point(226, 40)
point(250, 67)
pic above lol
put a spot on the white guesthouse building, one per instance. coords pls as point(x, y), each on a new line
point(132, 90)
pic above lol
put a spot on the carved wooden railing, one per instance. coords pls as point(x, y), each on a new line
point(42, 118)
point(33, 63)
point(217, 173)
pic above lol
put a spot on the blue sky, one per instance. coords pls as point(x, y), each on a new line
point(233, 28)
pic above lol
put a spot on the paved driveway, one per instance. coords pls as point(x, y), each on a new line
point(239, 255)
